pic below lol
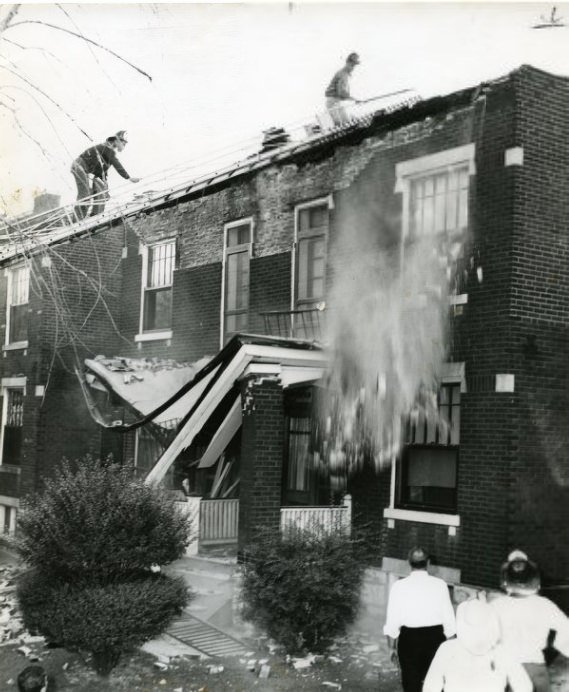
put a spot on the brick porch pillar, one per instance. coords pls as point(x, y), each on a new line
point(262, 449)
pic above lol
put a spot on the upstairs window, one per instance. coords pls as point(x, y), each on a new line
point(13, 425)
point(158, 273)
point(428, 468)
point(236, 259)
point(17, 308)
point(312, 222)
point(435, 192)
point(439, 203)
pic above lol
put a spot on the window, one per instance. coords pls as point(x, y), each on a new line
point(429, 464)
point(435, 192)
point(299, 441)
point(236, 258)
point(312, 223)
point(17, 309)
point(13, 425)
point(8, 516)
point(157, 276)
point(439, 203)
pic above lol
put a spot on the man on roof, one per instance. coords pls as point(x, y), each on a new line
point(338, 91)
point(90, 172)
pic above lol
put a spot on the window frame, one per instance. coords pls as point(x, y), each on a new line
point(453, 373)
point(161, 333)
point(328, 201)
point(10, 272)
point(234, 250)
point(431, 164)
point(7, 384)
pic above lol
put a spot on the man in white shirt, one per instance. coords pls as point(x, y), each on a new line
point(420, 617)
point(338, 91)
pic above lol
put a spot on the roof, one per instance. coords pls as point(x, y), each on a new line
point(59, 227)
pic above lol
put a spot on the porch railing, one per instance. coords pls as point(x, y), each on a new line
point(319, 520)
point(307, 323)
point(219, 521)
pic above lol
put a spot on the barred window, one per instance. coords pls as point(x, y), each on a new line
point(13, 426)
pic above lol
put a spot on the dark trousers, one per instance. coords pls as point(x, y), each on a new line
point(416, 648)
point(91, 197)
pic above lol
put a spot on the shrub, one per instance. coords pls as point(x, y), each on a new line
point(91, 538)
point(99, 521)
point(303, 590)
point(105, 620)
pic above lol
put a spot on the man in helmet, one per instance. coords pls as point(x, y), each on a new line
point(90, 172)
point(338, 91)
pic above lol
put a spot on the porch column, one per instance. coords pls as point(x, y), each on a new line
point(262, 449)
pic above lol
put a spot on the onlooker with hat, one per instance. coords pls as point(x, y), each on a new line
point(419, 618)
point(96, 161)
point(474, 661)
point(338, 91)
point(527, 619)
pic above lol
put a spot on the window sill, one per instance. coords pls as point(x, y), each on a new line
point(422, 517)
point(10, 468)
point(15, 346)
point(154, 336)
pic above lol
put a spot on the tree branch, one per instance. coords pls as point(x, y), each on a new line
point(47, 96)
point(12, 12)
point(83, 38)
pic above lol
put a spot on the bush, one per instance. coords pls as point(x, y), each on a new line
point(91, 538)
point(100, 522)
point(303, 590)
point(105, 620)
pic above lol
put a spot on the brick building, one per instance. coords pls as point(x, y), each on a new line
point(258, 248)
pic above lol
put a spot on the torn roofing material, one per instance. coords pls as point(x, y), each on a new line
point(146, 385)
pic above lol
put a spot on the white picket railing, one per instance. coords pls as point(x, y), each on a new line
point(318, 519)
point(219, 521)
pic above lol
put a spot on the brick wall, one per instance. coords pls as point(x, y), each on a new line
point(262, 453)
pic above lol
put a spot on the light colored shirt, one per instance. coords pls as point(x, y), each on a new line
point(339, 87)
point(419, 600)
point(455, 669)
point(525, 622)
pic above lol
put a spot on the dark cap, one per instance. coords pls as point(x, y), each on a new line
point(519, 575)
point(353, 58)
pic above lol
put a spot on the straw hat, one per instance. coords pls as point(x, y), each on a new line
point(477, 626)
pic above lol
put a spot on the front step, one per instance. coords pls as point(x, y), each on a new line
point(205, 637)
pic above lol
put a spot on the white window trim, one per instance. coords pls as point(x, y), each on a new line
point(232, 224)
point(453, 373)
point(5, 384)
point(155, 335)
point(329, 201)
point(406, 171)
point(13, 345)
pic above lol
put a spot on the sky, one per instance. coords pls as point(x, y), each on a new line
point(222, 73)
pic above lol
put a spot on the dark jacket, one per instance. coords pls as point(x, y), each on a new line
point(98, 159)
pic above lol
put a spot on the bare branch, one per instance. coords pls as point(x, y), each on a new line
point(83, 38)
point(47, 96)
point(38, 48)
point(39, 105)
point(12, 12)
point(107, 75)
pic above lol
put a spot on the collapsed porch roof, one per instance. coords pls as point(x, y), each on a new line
point(292, 362)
